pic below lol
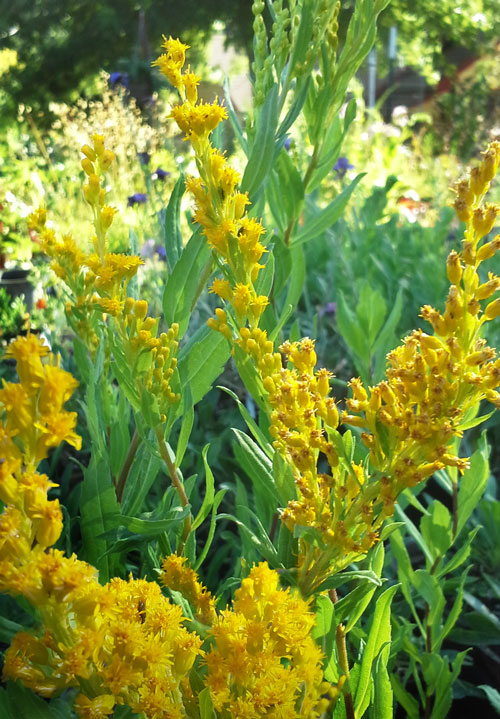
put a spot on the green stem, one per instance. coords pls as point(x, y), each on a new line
point(172, 470)
point(122, 479)
point(344, 663)
point(454, 509)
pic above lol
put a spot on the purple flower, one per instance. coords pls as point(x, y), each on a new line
point(162, 254)
point(144, 157)
point(288, 143)
point(329, 309)
point(160, 174)
point(118, 78)
point(138, 199)
point(342, 165)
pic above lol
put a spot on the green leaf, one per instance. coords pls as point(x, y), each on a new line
point(303, 37)
point(252, 425)
point(208, 499)
point(436, 529)
point(354, 336)
point(474, 422)
point(493, 696)
point(453, 615)
point(411, 529)
point(7, 629)
point(82, 359)
point(262, 153)
point(141, 477)
point(18, 702)
point(119, 435)
point(294, 292)
point(205, 704)
point(339, 579)
point(153, 527)
point(233, 118)
point(172, 233)
point(262, 542)
point(378, 636)
point(427, 585)
point(211, 530)
point(99, 514)
point(382, 689)
point(185, 431)
point(386, 338)
point(407, 701)
point(324, 626)
point(326, 218)
point(354, 604)
point(473, 483)
point(183, 285)
point(286, 184)
point(460, 556)
point(201, 361)
point(258, 466)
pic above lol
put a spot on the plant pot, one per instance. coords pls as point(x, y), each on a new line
point(16, 283)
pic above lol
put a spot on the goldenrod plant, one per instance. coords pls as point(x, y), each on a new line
point(110, 633)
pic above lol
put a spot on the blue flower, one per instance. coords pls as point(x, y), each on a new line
point(342, 165)
point(138, 199)
point(288, 143)
point(144, 157)
point(160, 174)
point(118, 78)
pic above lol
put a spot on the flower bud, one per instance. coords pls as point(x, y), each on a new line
point(107, 159)
point(492, 310)
point(483, 219)
point(140, 309)
point(454, 268)
point(88, 166)
point(89, 152)
point(98, 141)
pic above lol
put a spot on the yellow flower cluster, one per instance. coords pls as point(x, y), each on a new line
point(220, 207)
point(98, 282)
point(433, 381)
point(177, 576)
point(125, 643)
point(152, 358)
point(408, 420)
point(263, 662)
point(122, 643)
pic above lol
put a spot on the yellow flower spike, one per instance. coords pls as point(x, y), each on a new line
point(88, 166)
point(98, 141)
point(191, 82)
point(106, 159)
point(492, 311)
point(463, 210)
point(89, 153)
point(483, 219)
point(97, 708)
point(491, 159)
point(91, 189)
point(198, 121)
point(454, 268)
point(242, 298)
point(106, 215)
point(222, 288)
point(488, 288)
point(240, 201)
point(37, 220)
point(476, 181)
point(489, 249)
